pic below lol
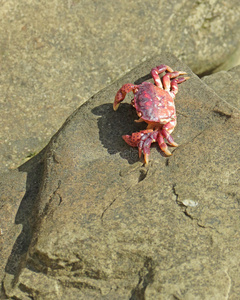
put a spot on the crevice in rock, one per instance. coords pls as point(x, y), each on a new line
point(26, 290)
point(174, 191)
point(102, 215)
point(136, 172)
point(222, 114)
point(187, 214)
point(41, 262)
point(52, 198)
point(167, 162)
point(146, 277)
point(207, 73)
point(139, 175)
point(143, 174)
point(176, 297)
point(81, 285)
point(182, 207)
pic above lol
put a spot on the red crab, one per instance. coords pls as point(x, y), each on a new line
point(155, 106)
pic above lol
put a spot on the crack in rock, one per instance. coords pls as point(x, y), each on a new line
point(102, 215)
point(146, 277)
point(181, 204)
point(51, 198)
point(143, 172)
point(230, 284)
point(174, 192)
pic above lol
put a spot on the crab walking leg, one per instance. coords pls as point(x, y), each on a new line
point(126, 88)
point(145, 144)
point(158, 70)
point(174, 84)
point(163, 145)
point(166, 79)
point(166, 131)
point(143, 141)
point(145, 138)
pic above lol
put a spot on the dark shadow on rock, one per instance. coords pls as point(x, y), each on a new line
point(143, 78)
point(26, 214)
point(113, 124)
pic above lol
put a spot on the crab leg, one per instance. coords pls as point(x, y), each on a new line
point(163, 145)
point(145, 138)
point(166, 79)
point(143, 141)
point(166, 131)
point(158, 70)
point(175, 82)
point(126, 88)
point(145, 144)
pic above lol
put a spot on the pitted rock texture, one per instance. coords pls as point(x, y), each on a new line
point(106, 227)
point(54, 55)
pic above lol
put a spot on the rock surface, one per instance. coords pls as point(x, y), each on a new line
point(103, 226)
point(54, 55)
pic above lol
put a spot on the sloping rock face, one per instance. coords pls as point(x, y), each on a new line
point(226, 84)
point(54, 55)
point(103, 226)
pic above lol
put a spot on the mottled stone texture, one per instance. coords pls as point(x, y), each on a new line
point(54, 55)
point(103, 226)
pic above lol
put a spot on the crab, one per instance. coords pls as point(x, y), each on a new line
point(154, 105)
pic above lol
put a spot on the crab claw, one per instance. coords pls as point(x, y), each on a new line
point(143, 141)
point(133, 139)
point(121, 94)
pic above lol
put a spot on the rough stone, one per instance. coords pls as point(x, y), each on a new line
point(54, 55)
point(227, 85)
point(12, 190)
point(106, 227)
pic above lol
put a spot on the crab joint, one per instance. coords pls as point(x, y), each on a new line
point(139, 120)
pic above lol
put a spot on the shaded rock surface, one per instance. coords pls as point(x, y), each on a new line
point(103, 226)
point(54, 55)
point(227, 85)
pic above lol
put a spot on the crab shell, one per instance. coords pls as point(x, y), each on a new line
point(153, 104)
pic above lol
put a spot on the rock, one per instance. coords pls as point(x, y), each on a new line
point(18, 193)
point(106, 227)
point(56, 54)
point(11, 193)
point(226, 85)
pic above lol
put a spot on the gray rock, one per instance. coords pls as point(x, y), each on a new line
point(227, 85)
point(106, 227)
point(56, 54)
point(11, 193)
point(18, 193)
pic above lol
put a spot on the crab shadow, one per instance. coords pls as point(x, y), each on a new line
point(113, 125)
